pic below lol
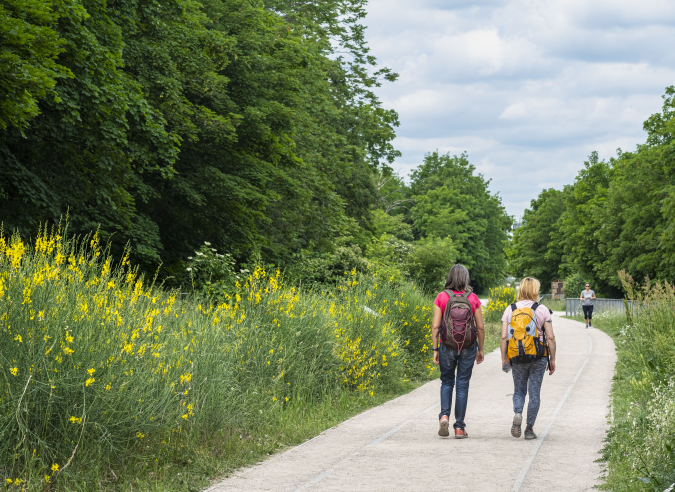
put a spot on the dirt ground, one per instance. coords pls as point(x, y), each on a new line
point(396, 446)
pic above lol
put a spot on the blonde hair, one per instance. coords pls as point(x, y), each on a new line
point(529, 289)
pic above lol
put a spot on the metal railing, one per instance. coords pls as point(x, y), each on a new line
point(573, 306)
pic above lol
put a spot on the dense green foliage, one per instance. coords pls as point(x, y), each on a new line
point(452, 201)
point(226, 121)
point(617, 215)
point(640, 451)
point(534, 251)
point(252, 126)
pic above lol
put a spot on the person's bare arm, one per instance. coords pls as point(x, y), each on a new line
point(435, 325)
point(480, 326)
point(550, 339)
point(504, 344)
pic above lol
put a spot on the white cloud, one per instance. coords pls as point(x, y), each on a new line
point(525, 87)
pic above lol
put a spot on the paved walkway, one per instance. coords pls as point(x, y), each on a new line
point(396, 447)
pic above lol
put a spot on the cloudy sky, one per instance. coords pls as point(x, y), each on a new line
point(529, 88)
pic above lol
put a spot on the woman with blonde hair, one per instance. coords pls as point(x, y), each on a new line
point(528, 370)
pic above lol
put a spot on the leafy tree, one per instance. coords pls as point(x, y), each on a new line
point(393, 225)
point(227, 121)
point(582, 220)
point(533, 251)
point(618, 215)
point(452, 201)
point(28, 69)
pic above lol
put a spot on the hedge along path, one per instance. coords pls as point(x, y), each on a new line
point(396, 446)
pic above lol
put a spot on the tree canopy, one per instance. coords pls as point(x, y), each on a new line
point(176, 122)
point(451, 200)
point(251, 125)
point(618, 215)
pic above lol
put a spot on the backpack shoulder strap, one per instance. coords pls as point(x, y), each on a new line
point(535, 306)
point(513, 307)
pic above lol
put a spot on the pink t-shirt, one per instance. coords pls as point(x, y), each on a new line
point(443, 298)
point(542, 315)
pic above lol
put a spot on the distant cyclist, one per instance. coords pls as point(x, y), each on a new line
point(587, 297)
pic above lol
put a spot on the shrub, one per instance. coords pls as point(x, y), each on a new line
point(574, 284)
point(430, 262)
point(99, 365)
point(500, 298)
point(211, 273)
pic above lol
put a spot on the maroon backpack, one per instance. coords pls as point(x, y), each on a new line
point(458, 327)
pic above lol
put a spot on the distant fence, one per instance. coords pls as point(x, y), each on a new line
point(573, 306)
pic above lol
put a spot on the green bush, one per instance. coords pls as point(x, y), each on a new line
point(430, 261)
point(327, 268)
point(574, 284)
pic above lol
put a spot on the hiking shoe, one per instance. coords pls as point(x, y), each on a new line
point(529, 433)
point(515, 427)
point(444, 425)
point(461, 434)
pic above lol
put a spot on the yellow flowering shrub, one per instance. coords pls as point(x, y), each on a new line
point(499, 300)
point(96, 361)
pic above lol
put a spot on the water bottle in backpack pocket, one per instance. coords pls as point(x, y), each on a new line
point(524, 344)
point(458, 327)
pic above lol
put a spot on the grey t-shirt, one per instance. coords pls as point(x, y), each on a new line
point(587, 297)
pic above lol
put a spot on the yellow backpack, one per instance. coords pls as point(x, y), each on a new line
point(524, 344)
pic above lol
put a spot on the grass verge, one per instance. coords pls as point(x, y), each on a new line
point(640, 444)
point(554, 305)
point(493, 335)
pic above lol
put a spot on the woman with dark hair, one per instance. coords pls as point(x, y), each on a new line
point(587, 297)
point(451, 355)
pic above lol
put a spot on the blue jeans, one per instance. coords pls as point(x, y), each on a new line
point(449, 360)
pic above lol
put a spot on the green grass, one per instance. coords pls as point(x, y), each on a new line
point(554, 305)
point(109, 383)
point(640, 444)
point(493, 336)
point(214, 457)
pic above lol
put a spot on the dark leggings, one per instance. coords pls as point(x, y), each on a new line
point(588, 312)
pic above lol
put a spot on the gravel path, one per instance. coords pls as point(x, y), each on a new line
point(396, 447)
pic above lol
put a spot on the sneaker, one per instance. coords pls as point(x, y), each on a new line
point(461, 434)
point(444, 424)
point(586, 326)
point(515, 427)
point(590, 324)
point(529, 433)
